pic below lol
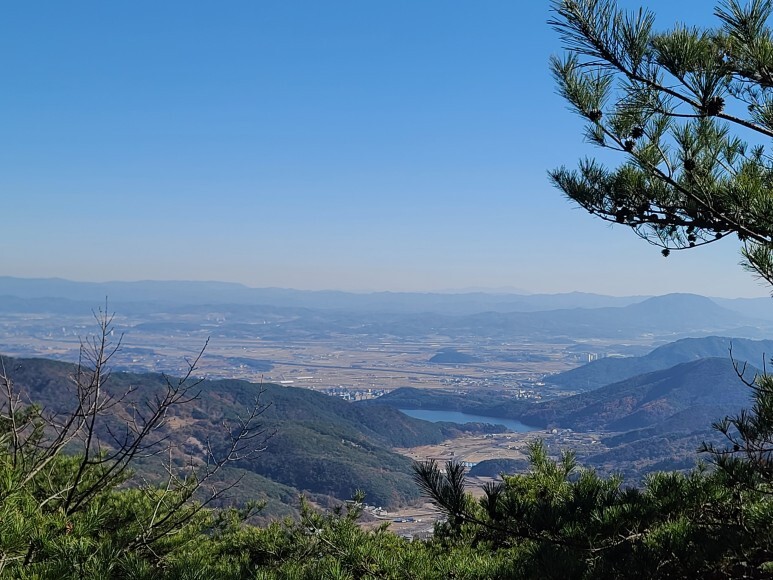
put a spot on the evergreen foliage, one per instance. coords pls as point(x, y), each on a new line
point(570, 523)
point(670, 103)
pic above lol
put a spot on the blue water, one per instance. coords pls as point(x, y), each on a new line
point(457, 417)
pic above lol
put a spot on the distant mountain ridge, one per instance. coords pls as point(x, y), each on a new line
point(672, 314)
point(761, 308)
point(233, 310)
point(604, 371)
point(196, 292)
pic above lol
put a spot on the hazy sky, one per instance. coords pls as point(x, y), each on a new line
point(358, 145)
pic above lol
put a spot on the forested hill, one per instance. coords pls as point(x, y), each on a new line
point(604, 371)
point(647, 399)
point(321, 444)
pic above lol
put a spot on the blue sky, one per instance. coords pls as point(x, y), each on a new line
point(356, 145)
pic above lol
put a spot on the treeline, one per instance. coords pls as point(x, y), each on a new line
point(555, 521)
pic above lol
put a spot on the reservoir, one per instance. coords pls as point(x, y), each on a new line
point(457, 417)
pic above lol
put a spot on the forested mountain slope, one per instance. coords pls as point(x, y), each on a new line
point(648, 399)
point(604, 371)
point(320, 444)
